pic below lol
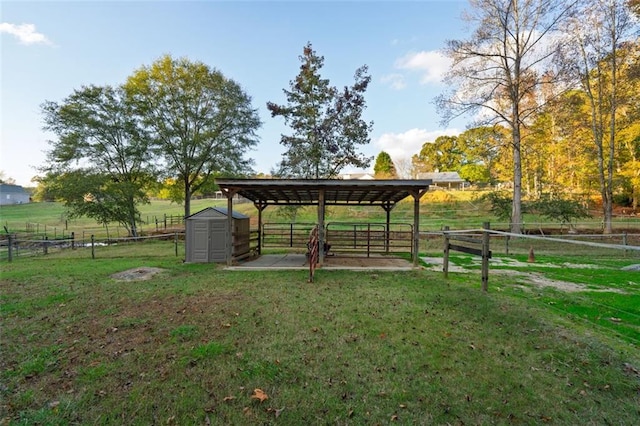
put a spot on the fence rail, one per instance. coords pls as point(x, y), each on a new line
point(12, 247)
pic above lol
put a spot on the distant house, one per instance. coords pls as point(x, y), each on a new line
point(447, 180)
point(13, 194)
point(357, 176)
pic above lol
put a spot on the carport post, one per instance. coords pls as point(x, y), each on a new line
point(416, 224)
point(416, 229)
point(321, 226)
point(229, 193)
point(260, 206)
point(387, 208)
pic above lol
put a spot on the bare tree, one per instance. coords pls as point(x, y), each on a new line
point(597, 36)
point(404, 168)
point(497, 73)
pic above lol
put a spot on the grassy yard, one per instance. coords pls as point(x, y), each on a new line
point(200, 345)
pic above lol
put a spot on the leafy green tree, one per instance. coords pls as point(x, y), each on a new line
point(327, 123)
point(443, 155)
point(202, 123)
point(99, 164)
point(500, 203)
point(384, 167)
point(561, 210)
point(482, 146)
point(475, 173)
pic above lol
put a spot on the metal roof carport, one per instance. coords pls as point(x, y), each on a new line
point(324, 192)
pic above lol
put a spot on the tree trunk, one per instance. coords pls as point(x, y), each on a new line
point(516, 209)
point(131, 206)
point(187, 197)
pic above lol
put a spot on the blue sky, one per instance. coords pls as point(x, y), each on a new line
point(49, 48)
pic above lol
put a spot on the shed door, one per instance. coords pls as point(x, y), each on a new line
point(218, 242)
point(200, 247)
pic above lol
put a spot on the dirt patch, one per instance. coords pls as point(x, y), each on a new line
point(137, 274)
point(533, 278)
point(340, 260)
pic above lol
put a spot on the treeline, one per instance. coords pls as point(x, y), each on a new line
point(173, 126)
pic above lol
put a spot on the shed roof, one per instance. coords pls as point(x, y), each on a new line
point(6, 188)
point(218, 211)
point(336, 191)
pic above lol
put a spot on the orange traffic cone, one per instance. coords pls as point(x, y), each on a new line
point(532, 257)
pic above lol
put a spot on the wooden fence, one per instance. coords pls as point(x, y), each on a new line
point(343, 236)
point(475, 240)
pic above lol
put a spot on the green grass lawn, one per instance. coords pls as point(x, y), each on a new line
point(192, 344)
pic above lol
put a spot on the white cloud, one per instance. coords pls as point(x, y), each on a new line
point(405, 145)
point(25, 33)
point(396, 81)
point(431, 64)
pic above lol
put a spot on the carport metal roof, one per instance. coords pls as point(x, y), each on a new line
point(334, 191)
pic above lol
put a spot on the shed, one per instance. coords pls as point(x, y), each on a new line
point(206, 235)
point(13, 194)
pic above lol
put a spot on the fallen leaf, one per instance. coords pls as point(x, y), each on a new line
point(394, 418)
point(279, 411)
point(259, 394)
point(615, 319)
point(403, 406)
point(228, 398)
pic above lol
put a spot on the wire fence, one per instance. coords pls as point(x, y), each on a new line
point(160, 245)
point(593, 247)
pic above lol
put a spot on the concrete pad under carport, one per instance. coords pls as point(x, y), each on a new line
point(292, 261)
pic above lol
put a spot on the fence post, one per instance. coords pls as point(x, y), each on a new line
point(73, 240)
point(624, 242)
point(355, 236)
point(93, 251)
point(175, 242)
point(45, 248)
point(165, 221)
point(10, 253)
point(291, 234)
point(445, 260)
point(506, 244)
point(485, 256)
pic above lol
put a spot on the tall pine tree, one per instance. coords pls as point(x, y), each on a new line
point(326, 123)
